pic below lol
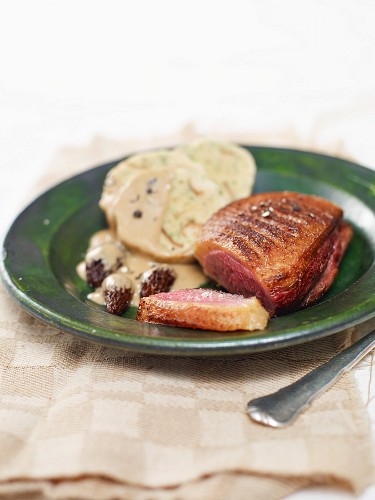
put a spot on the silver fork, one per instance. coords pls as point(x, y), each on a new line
point(282, 407)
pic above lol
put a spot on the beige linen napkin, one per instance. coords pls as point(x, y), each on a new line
point(79, 420)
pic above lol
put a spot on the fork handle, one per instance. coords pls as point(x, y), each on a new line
point(282, 407)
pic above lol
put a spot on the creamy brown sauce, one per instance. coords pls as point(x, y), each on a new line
point(97, 296)
point(104, 245)
point(145, 202)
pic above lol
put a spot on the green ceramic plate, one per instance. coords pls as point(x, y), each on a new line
point(49, 238)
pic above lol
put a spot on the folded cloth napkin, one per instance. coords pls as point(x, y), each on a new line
point(79, 420)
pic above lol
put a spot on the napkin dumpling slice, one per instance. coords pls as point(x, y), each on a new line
point(157, 202)
point(231, 166)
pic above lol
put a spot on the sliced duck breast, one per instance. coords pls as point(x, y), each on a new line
point(204, 309)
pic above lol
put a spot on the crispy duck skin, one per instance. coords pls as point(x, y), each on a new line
point(283, 247)
point(203, 309)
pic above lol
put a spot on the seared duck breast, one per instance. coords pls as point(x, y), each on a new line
point(283, 247)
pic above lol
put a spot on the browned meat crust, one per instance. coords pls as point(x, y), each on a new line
point(275, 245)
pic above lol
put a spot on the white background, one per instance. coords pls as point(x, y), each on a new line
point(293, 72)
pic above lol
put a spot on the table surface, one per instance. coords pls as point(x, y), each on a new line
point(13, 200)
point(283, 74)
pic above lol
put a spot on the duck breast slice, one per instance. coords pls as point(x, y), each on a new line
point(204, 309)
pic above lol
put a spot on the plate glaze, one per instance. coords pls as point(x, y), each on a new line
point(50, 236)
